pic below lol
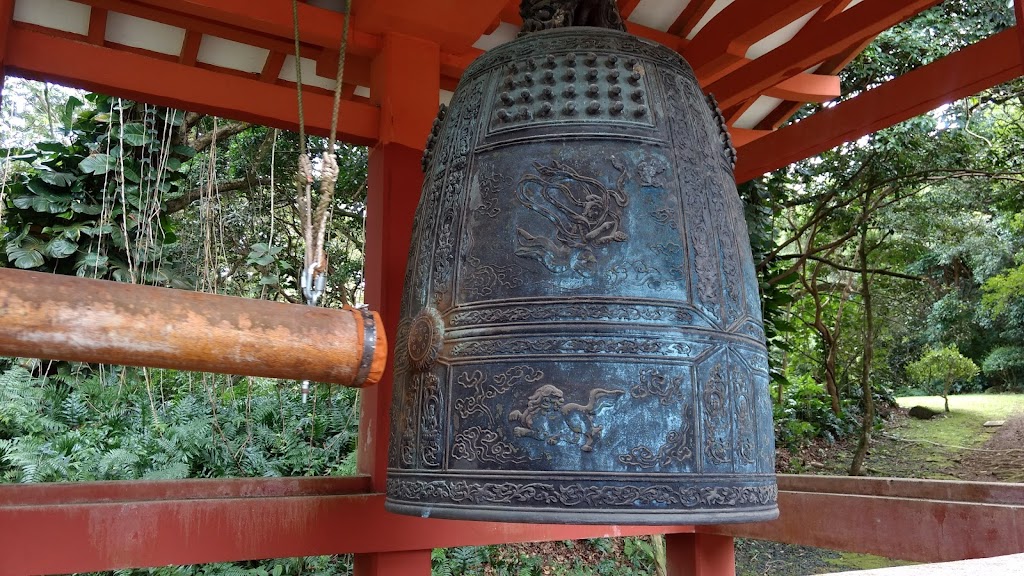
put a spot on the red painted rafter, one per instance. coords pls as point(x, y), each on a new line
point(726, 38)
point(690, 16)
point(43, 56)
point(272, 67)
point(626, 7)
point(962, 73)
point(833, 65)
point(269, 20)
point(857, 24)
point(97, 26)
point(190, 48)
point(451, 25)
point(806, 88)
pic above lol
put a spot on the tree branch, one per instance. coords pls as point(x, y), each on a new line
point(180, 203)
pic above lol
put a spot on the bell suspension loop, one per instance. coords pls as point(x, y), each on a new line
point(313, 278)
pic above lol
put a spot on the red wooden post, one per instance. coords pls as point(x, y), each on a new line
point(700, 555)
point(6, 15)
point(1018, 11)
point(405, 83)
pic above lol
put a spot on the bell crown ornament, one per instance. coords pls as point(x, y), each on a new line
point(581, 337)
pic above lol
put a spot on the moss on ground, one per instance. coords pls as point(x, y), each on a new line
point(848, 561)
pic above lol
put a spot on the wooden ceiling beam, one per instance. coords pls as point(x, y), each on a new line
point(968, 71)
point(190, 22)
point(727, 37)
point(863, 21)
point(451, 25)
point(259, 23)
point(689, 17)
point(272, 67)
point(807, 88)
point(41, 56)
point(190, 48)
point(626, 7)
point(97, 26)
point(833, 65)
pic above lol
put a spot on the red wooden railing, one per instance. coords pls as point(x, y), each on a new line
point(62, 528)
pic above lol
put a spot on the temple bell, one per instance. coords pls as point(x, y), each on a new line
point(581, 337)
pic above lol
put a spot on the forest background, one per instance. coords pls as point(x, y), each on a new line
point(883, 263)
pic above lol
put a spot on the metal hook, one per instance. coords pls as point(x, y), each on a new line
point(313, 284)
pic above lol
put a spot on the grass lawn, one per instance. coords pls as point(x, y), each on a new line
point(963, 425)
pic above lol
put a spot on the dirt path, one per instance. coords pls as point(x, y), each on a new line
point(1001, 458)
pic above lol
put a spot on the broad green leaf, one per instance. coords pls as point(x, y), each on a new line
point(131, 173)
point(26, 254)
point(61, 179)
point(91, 260)
point(135, 134)
point(61, 247)
point(81, 208)
point(183, 151)
point(97, 164)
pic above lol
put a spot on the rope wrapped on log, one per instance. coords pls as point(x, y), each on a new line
point(67, 318)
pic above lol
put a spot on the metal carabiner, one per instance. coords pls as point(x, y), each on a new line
point(313, 284)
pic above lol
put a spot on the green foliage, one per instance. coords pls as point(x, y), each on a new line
point(1003, 290)
point(92, 205)
point(1006, 363)
point(805, 413)
point(942, 365)
point(121, 424)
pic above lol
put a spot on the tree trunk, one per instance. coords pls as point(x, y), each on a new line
point(945, 392)
point(856, 467)
point(831, 351)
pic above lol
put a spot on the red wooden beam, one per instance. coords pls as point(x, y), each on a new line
point(61, 528)
point(626, 7)
point(833, 65)
point(807, 88)
point(452, 25)
point(190, 48)
point(6, 16)
point(908, 519)
point(1018, 11)
point(980, 66)
point(196, 24)
point(700, 555)
point(690, 16)
point(272, 67)
point(97, 26)
point(726, 38)
point(859, 23)
point(320, 28)
point(43, 57)
point(110, 525)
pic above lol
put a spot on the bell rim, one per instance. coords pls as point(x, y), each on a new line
point(639, 517)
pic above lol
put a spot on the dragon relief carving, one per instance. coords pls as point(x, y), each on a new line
point(549, 418)
point(585, 214)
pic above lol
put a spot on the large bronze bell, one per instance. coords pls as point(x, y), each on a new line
point(581, 336)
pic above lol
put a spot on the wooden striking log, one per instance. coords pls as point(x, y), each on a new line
point(67, 318)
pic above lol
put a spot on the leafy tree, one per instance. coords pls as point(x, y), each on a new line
point(947, 365)
point(1006, 363)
